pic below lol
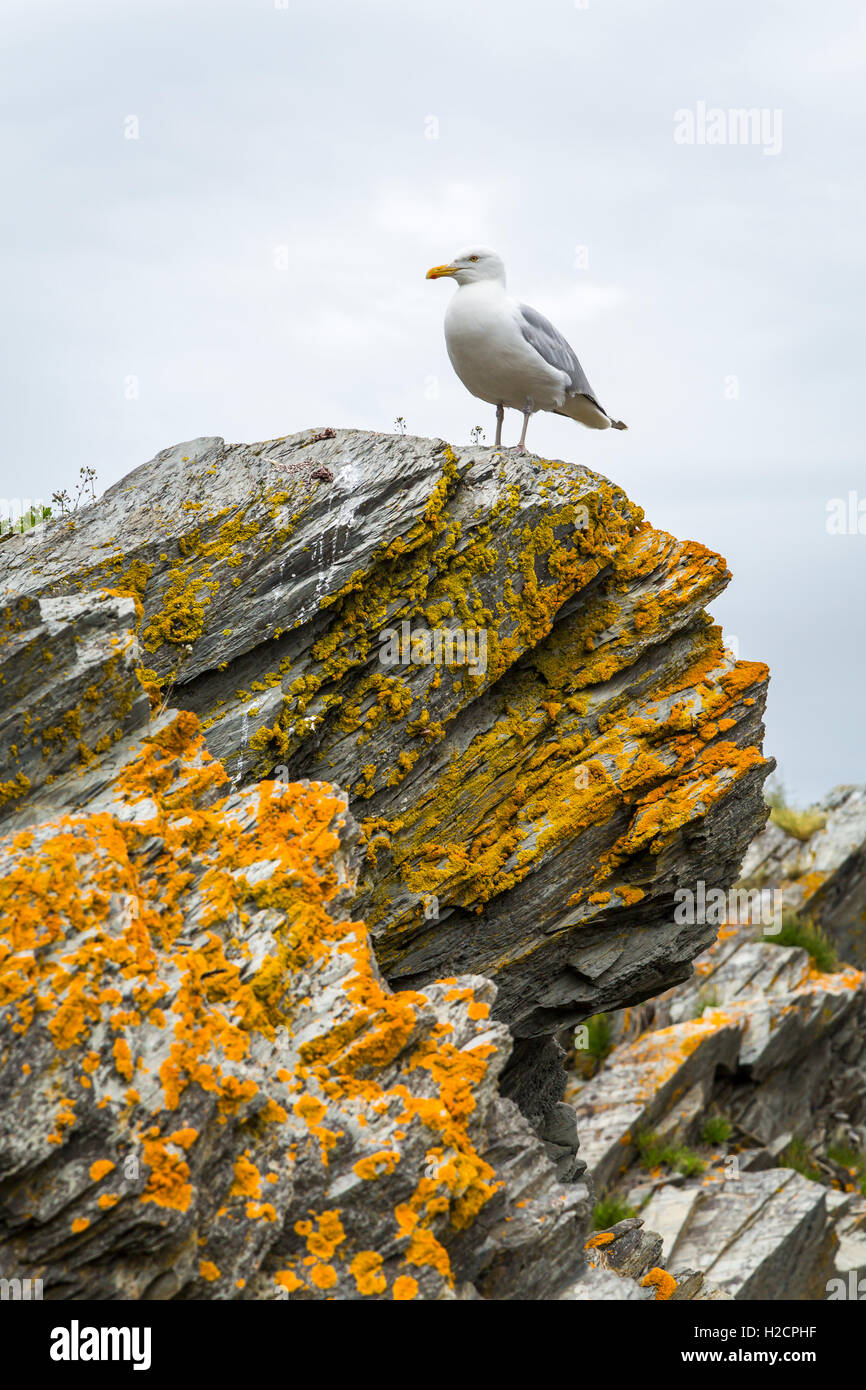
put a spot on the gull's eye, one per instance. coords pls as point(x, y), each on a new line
point(473, 258)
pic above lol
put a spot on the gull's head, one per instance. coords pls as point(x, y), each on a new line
point(470, 266)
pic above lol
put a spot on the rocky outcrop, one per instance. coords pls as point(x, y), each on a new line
point(773, 1050)
point(821, 876)
point(208, 1091)
point(632, 1252)
point(767, 1235)
point(527, 817)
point(212, 1087)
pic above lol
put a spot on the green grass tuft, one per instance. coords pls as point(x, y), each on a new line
point(798, 1157)
point(705, 1001)
point(654, 1153)
point(801, 824)
point(854, 1160)
point(799, 931)
point(716, 1130)
point(598, 1036)
point(25, 522)
point(609, 1210)
point(596, 1045)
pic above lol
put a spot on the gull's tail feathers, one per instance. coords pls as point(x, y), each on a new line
point(587, 411)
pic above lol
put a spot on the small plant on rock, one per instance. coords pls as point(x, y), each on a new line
point(34, 516)
point(798, 1156)
point(656, 1153)
point(801, 824)
point(592, 1043)
point(609, 1210)
point(717, 1130)
point(799, 931)
point(706, 1001)
point(853, 1160)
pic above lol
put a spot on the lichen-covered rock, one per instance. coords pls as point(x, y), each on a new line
point(758, 1034)
point(627, 1248)
point(526, 815)
point(623, 1265)
point(764, 1236)
point(208, 1088)
point(208, 1091)
point(644, 1086)
point(70, 692)
point(762, 1040)
point(824, 876)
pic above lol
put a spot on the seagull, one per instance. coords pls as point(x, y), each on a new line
point(509, 354)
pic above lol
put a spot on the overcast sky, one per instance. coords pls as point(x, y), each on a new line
point(253, 262)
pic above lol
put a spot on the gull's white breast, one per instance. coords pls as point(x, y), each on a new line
point(490, 354)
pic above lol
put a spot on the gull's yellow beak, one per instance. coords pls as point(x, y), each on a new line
point(439, 270)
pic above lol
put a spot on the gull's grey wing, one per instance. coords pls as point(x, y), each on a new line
point(549, 343)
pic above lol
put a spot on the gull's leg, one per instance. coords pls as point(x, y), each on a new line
point(527, 411)
point(522, 444)
point(500, 416)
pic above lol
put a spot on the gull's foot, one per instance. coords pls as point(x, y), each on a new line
point(516, 449)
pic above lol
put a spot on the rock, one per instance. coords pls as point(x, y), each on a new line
point(558, 1129)
point(641, 1084)
point(626, 1248)
point(850, 1220)
point(606, 1282)
point(70, 692)
point(766, 1156)
point(211, 1086)
point(764, 1236)
point(802, 1053)
point(669, 1210)
point(208, 1091)
point(603, 1285)
point(527, 818)
point(781, 1049)
point(823, 877)
point(631, 1253)
point(763, 1038)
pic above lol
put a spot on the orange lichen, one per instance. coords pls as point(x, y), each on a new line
point(323, 1276)
point(324, 1236)
point(260, 1211)
point(168, 1184)
point(603, 1238)
point(376, 1165)
point(366, 1269)
point(663, 1283)
point(247, 1182)
point(405, 1288)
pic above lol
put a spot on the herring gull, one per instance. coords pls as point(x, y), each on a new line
point(509, 354)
